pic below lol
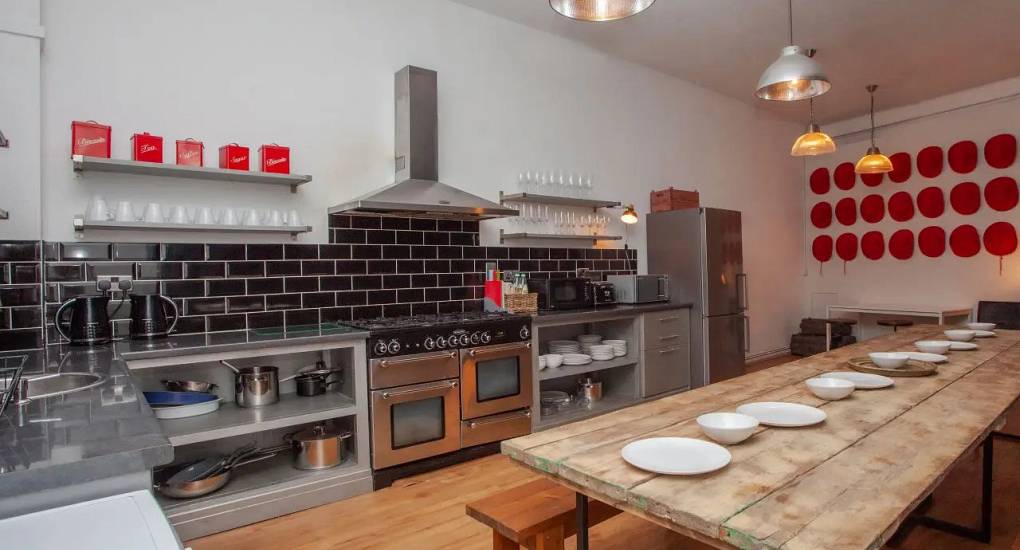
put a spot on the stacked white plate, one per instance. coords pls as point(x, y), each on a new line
point(563, 347)
point(602, 352)
point(575, 359)
point(619, 347)
point(587, 341)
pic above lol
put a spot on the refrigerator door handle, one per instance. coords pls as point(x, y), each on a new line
point(743, 299)
point(747, 334)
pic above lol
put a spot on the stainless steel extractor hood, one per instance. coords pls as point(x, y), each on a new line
point(418, 191)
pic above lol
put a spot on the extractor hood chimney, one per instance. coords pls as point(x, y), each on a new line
point(417, 191)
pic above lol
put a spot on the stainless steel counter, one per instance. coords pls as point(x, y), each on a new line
point(601, 313)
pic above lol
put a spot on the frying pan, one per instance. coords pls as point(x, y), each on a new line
point(215, 482)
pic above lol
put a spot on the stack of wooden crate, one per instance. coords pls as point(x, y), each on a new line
point(673, 199)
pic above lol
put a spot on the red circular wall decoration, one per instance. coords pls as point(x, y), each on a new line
point(901, 207)
point(1000, 239)
point(872, 245)
point(846, 211)
point(965, 197)
point(901, 244)
point(1001, 194)
point(931, 241)
point(846, 247)
point(1000, 151)
point(963, 157)
point(821, 248)
point(844, 176)
point(964, 241)
point(901, 167)
point(820, 181)
point(872, 208)
point(871, 180)
point(929, 161)
point(931, 202)
point(821, 215)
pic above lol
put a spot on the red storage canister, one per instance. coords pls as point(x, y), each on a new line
point(234, 157)
point(189, 152)
point(89, 138)
point(146, 147)
point(275, 158)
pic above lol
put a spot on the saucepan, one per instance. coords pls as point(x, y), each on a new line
point(256, 386)
point(311, 383)
point(318, 447)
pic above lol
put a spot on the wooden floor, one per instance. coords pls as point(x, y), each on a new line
point(427, 512)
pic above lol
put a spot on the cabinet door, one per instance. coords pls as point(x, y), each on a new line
point(666, 369)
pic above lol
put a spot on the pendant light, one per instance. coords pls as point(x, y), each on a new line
point(814, 141)
point(629, 215)
point(794, 76)
point(873, 162)
point(599, 10)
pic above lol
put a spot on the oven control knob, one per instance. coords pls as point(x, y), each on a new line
point(524, 333)
point(441, 342)
point(485, 337)
point(394, 346)
point(475, 338)
point(430, 343)
point(465, 339)
point(380, 347)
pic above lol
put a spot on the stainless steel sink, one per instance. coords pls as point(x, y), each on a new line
point(49, 385)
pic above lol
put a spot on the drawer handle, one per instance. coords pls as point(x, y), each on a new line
point(668, 319)
point(389, 394)
point(670, 350)
point(385, 363)
point(670, 337)
point(498, 349)
point(475, 423)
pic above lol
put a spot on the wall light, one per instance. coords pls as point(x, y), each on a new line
point(629, 215)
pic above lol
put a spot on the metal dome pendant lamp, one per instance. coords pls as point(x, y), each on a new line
point(794, 76)
point(598, 11)
point(873, 162)
point(814, 141)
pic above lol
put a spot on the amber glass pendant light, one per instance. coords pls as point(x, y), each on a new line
point(814, 141)
point(873, 162)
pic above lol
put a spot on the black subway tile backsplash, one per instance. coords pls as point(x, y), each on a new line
point(371, 266)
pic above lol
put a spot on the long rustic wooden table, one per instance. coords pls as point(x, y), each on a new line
point(846, 483)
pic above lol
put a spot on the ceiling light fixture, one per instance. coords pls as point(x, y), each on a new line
point(599, 10)
point(794, 76)
point(814, 141)
point(873, 162)
point(629, 215)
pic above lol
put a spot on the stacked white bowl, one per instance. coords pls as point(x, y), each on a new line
point(601, 352)
point(619, 347)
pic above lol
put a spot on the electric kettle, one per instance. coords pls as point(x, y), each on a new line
point(149, 316)
point(89, 323)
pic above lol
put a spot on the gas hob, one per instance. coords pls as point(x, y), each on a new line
point(393, 336)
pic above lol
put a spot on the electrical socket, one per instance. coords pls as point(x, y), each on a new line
point(118, 283)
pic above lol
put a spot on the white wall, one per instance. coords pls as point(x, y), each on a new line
point(947, 280)
point(318, 76)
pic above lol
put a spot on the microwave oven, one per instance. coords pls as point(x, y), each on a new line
point(640, 289)
point(568, 293)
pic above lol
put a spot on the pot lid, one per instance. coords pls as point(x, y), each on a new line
point(317, 433)
point(318, 373)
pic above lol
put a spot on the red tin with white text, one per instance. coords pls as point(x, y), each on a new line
point(90, 138)
point(190, 152)
point(275, 158)
point(234, 157)
point(146, 147)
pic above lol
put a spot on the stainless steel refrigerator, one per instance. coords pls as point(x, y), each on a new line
point(700, 249)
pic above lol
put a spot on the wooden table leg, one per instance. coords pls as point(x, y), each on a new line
point(582, 521)
point(499, 542)
point(551, 539)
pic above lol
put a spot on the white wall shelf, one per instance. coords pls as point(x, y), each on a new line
point(556, 200)
point(503, 236)
point(83, 164)
point(81, 224)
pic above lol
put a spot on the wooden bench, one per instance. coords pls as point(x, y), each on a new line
point(538, 515)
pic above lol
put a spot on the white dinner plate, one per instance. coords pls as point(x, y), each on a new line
point(185, 411)
point(862, 380)
point(681, 456)
point(785, 415)
point(930, 357)
point(963, 346)
point(983, 334)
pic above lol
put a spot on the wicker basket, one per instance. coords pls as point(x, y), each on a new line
point(521, 303)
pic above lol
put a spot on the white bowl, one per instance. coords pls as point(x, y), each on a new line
point(981, 326)
point(553, 360)
point(889, 359)
point(728, 427)
point(830, 388)
point(542, 363)
point(933, 346)
point(960, 335)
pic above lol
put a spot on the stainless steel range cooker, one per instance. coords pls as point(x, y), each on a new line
point(444, 383)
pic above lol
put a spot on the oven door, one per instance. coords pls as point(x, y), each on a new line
point(495, 379)
point(414, 422)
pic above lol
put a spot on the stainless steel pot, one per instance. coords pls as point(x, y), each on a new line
point(590, 390)
point(314, 383)
point(318, 447)
point(255, 386)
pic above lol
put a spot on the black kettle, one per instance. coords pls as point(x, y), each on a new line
point(149, 317)
point(89, 323)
